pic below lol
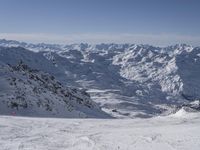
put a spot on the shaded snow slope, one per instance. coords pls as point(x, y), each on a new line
point(166, 133)
point(29, 92)
point(127, 80)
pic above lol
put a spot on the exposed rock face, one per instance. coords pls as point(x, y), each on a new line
point(29, 92)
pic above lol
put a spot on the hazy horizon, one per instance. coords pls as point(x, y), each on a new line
point(155, 22)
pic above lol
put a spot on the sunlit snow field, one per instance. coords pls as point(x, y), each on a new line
point(176, 132)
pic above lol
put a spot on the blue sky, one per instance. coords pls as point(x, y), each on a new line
point(158, 22)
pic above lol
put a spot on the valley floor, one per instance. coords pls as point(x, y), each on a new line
point(176, 132)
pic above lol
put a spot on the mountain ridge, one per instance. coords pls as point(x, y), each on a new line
point(127, 80)
point(30, 92)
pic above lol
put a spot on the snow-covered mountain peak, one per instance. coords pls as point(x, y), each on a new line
point(127, 80)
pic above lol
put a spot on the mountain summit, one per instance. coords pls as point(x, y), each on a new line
point(126, 80)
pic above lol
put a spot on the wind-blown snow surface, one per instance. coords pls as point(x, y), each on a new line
point(127, 80)
point(175, 132)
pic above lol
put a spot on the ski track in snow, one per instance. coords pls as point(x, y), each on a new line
point(166, 133)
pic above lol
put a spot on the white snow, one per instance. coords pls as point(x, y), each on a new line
point(166, 133)
point(180, 113)
point(26, 92)
point(127, 78)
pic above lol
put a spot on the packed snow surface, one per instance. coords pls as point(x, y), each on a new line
point(179, 132)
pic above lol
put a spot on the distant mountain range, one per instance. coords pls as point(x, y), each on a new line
point(126, 80)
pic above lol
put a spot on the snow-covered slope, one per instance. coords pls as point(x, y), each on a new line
point(29, 92)
point(178, 132)
point(127, 80)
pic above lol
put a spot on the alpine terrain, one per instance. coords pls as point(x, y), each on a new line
point(123, 80)
point(43, 85)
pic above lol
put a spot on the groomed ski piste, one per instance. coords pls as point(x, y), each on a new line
point(179, 131)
